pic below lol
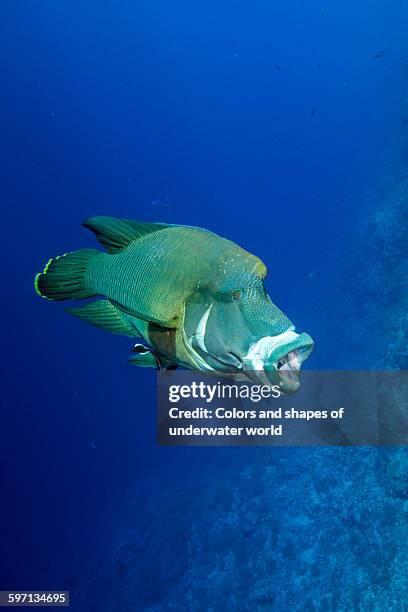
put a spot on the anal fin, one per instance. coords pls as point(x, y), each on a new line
point(103, 314)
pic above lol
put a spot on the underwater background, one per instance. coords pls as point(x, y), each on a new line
point(284, 127)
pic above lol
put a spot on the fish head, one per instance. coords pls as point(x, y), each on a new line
point(235, 328)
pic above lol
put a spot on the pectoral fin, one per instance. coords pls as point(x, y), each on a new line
point(146, 318)
point(105, 315)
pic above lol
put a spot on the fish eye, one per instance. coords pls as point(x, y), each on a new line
point(236, 295)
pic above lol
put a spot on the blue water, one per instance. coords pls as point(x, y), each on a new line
point(270, 124)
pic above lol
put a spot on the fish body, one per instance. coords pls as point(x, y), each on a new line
point(378, 54)
point(196, 299)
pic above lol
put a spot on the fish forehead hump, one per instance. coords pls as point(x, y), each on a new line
point(155, 274)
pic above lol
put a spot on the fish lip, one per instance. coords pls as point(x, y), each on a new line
point(291, 360)
point(303, 346)
point(278, 359)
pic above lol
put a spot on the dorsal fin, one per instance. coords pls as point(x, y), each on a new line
point(116, 234)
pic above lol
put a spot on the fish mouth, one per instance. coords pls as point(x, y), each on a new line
point(277, 360)
point(288, 368)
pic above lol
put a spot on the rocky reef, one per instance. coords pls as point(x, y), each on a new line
point(314, 529)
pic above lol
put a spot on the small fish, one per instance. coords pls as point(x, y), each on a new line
point(323, 14)
point(197, 300)
point(379, 54)
point(162, 204)
point(146, 357)
point(278, 67)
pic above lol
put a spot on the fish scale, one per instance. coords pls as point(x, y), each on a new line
point(198, 300)
point(155, 274)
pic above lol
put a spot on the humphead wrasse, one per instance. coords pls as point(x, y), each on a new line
point(196, 299)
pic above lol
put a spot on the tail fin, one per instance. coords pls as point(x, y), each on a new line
point(63, 278)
